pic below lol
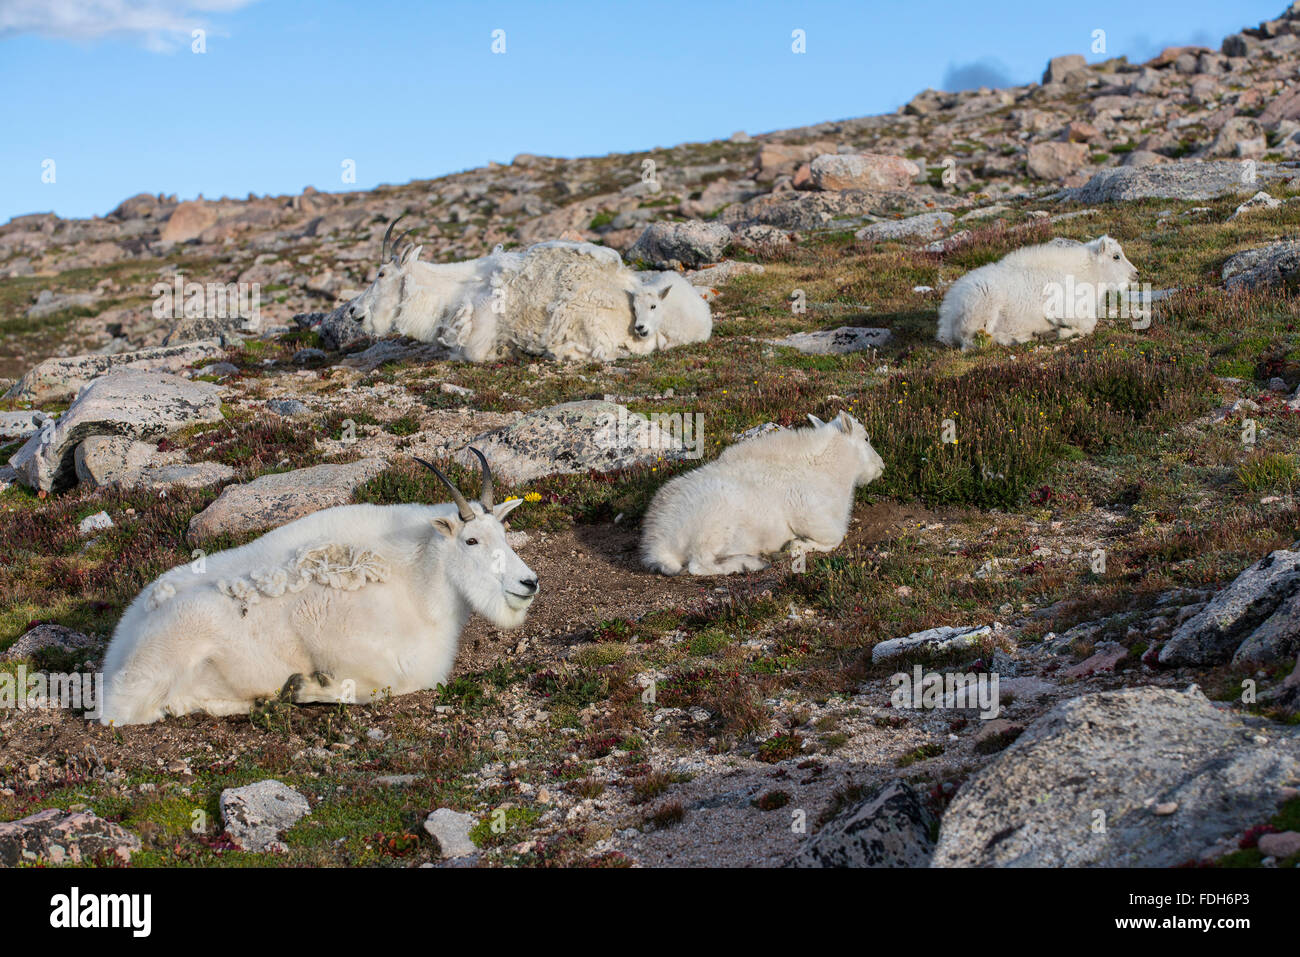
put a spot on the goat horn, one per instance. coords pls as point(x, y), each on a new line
point(462, 506)
point(398, 245)
point(486, 495)
point(383, 252)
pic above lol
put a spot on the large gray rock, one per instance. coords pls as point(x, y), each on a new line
point(227, 330)
point(723, 272)
point(1055, 160)
point(58, 837)
point(806, 211)
point(1254, 620)
point(117, 461)
point(1063, 69)
point(873, 171)
point(1186, 180)
point(131, 404)
point(20, 425)
point(832, 342)
point(925, 226)
point(1234, 138)
point(1143, 777)
point(48, 637)
point(49, 303)
point(56, 380)
point(273, 500)
point(672, 245)
point(890, 829)
point(256, 814)
point(590, 435)
point(1277, 264)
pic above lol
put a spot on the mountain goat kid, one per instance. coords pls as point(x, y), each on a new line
point(335, 607)
point(1055, 289)
point(790, 487)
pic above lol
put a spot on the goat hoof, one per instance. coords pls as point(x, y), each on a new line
point(322, 678)
point(292, 686)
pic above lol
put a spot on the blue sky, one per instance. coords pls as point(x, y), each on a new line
point(289, 89)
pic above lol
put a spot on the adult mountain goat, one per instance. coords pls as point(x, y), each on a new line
point(558, 299)
point(1056, 289)
point(579, 301)
point(450, 304)
point(334, 607)
point(791, 487)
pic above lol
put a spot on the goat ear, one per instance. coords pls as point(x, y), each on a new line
point(815, 421)
point(667, 290)
point(412, 254)
point(845, 422)
point(505, 508)
point(447, 525)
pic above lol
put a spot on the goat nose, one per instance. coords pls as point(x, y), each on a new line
point(530, 584)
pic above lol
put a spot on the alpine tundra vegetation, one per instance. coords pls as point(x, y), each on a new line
point(235, 529)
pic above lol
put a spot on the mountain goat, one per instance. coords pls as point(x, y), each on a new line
point(790, 487)
point(335, 607)
point(1058, 288)
point(560, 299)
point(679, 321)
point(579, 301)
point(445, 303)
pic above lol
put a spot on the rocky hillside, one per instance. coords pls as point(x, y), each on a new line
point(1114, 533)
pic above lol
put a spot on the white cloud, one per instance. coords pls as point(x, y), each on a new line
point(161, 25)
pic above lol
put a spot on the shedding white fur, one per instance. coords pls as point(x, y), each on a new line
point(792, 487)
point(1057, 289)
point(338, 606)
point(559, 299)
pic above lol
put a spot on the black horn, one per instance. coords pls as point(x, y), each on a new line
point(462, 506)
point(485, 497)
point(397, 246)
point(383, 252)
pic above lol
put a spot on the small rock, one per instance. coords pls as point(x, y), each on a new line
point(451, 830)
point(934, 640)
point(1283, 844)
point(288, 407)
point(47, 636)
point(95, 523)
point(839, 341)
point(256, 814)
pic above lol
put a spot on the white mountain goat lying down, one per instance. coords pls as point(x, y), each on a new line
point(433, 302)
point(333, 607)
point(790, 487)
point(558, 299)
point(1056, 289)
point(579, 301)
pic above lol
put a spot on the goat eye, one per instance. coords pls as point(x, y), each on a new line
point(471, 541)
point(1115, 257)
